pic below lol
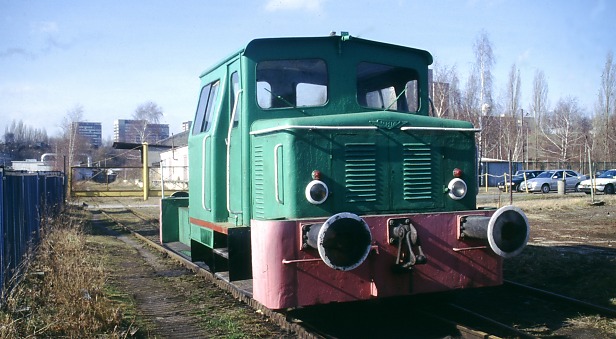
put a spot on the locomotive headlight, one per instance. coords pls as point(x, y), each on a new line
point(457, 189)
point(316, 192)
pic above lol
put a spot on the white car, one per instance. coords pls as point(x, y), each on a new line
point(548, 181)
point(606, 183)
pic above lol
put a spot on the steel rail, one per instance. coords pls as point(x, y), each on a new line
point(279, 319)
point(499, 325)
point(601, 310)
point(301, 328)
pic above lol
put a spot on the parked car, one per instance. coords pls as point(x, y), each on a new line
point(606, 183)
point(516, 179)
point(548, 181)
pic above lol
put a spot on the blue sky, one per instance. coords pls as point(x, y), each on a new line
point(112, 55)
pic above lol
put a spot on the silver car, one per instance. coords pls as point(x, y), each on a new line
point(606, 183)
point(548, 181)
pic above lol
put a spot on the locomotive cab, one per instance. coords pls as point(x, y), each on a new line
point(317, 175)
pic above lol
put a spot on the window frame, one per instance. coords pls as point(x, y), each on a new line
point(207, 104)
point(372, 83)
point(295, 92)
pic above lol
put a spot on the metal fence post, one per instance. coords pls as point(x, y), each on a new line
point(146, 171)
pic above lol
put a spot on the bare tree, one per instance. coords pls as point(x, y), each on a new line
point(147, 113)
point(469, 100)
point(70, 143)
point(561, 129)
point(484, 60)
point(444, 88)
point(24, 142)
point(538, 106)
point(512, 133)
point(606, 103)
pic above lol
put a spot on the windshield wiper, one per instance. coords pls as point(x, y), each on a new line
point(289, 104)
point(395, 101)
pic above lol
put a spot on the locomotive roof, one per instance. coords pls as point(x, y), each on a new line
point(256, 46)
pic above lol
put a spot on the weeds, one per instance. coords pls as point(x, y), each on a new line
point(60, 291)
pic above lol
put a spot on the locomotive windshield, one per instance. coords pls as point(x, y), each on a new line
point(291, 83)
point(387, 87)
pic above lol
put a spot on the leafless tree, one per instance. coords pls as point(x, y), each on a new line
point(484, 60)
point(606, 103)
point(538, 107)
point(24, 142)
point(469, 100)
point(70, 143)
point(147, 113)
point(561, 130)
point(444, 88)
point(512, 133)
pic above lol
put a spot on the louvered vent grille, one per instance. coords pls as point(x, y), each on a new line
point(417, 172)
point(360, 172)
point(259, 188)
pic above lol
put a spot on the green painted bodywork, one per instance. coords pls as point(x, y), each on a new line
point(170, 217)
point(368, 171)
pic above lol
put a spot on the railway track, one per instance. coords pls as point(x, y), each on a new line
point(391, 318)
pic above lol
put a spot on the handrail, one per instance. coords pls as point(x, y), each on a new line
point(203, 166)
point(237, 97)
point(316, 127)
point(453, 129)
point(277, 192)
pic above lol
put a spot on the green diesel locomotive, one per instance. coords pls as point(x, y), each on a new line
point(317, 175)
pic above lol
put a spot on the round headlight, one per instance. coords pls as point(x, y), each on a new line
point(316, 192)
point(457, 189)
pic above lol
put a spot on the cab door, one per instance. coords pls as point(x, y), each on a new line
point(201, 160)
point(234, 140)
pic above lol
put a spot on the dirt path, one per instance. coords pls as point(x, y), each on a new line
point(140, 274)
point(172, 301)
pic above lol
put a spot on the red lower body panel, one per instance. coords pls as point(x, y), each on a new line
point(285, 275)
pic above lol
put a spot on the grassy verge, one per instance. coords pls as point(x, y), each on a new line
point(573, 254)
point(61, 291)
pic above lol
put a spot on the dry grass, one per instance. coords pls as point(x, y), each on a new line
point(571, 253)
point(60, 292)
point(608, 326)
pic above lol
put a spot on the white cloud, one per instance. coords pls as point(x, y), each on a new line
point(293, 5)
point(48, 27)
point(524, 56)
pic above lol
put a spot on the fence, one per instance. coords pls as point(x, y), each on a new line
point(127, 181)
point(580, 166)
point(494, 172)
point(25, 199)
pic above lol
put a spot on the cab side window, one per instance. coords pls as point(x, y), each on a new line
point(207, 103)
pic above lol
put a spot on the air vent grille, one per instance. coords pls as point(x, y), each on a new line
point(417, 171)
point(258, 182)
point(360, 172)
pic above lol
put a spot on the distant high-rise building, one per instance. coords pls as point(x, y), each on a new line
point(138, 131)
point(91, 132)
point(186, 126)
